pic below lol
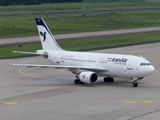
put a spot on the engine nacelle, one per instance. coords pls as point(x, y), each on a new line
point(88, 77)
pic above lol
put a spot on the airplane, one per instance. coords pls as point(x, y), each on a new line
point(87, 66)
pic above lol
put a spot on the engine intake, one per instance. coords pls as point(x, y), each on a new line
point(88, 77)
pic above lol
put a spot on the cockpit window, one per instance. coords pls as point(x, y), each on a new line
point(143, 64)
point(148, 64)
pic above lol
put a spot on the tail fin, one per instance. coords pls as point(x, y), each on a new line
point(47, 40)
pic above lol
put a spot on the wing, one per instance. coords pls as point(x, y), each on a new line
point(59, 66)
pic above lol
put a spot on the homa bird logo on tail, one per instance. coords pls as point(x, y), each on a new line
point(43, 35)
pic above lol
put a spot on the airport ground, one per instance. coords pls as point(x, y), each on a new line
point(36, 93)
point(50, 94)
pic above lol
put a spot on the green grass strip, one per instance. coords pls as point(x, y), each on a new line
point(87, 43)
point(26, 26)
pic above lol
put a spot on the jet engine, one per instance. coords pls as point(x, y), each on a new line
point(88, 77)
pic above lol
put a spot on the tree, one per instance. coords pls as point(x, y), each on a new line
point(4, 2)
point(32, 2)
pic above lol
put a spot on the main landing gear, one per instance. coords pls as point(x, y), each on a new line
point(77, 81)
point(108, 79)
point(135, 84)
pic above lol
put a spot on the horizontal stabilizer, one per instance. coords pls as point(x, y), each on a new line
point(32, 53)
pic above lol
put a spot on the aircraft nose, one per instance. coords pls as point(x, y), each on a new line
point(151, 69)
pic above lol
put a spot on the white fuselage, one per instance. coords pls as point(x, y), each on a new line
point(116, 65)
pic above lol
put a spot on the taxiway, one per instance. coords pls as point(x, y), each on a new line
point(50, 94)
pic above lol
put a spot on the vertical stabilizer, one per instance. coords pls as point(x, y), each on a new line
point(47, 40)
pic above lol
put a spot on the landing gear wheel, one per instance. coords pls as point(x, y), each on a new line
point(111, 80)
point(76, 81)
point(108, 79)
point(105, 79)
point(134, 84)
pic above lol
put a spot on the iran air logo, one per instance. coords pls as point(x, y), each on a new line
point(43, 35)
point(117, 60)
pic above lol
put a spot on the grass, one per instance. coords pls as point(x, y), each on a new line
point(25, 26)
point(87, 43)
point(86, 5)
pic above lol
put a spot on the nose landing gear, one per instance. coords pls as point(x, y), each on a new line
point(135, 84)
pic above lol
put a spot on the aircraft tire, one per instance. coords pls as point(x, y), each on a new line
point(105, 79)
point(111, 80)
point(76, 81)
point(108, 79)
point(134, 84)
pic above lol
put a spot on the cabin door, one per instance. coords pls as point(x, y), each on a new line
point(130, 67)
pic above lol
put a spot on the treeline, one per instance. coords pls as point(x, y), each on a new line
point(36, 2)
point(105, 1)
point(32, 2)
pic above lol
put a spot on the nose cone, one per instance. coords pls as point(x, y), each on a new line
point(149, 70)
point(152, 69)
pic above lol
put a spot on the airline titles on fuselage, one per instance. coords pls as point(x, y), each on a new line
point(121, 61)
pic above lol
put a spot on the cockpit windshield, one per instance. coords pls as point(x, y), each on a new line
point(145, 64)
